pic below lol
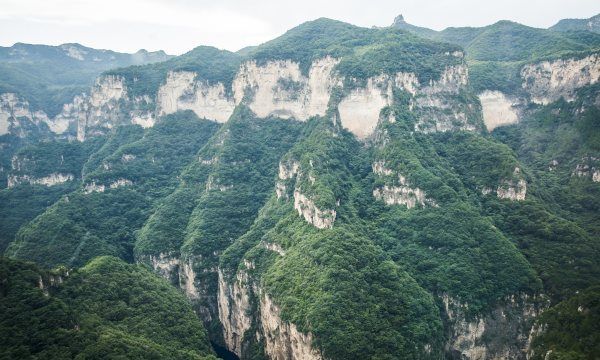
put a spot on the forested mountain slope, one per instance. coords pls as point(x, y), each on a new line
point(97, 311)
point(335, 193)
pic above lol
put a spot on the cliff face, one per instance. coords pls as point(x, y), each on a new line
point(548, 81)
point(502, 333)
point(15, 116)
point(498, 109)
point(398, 192)
point(183, 91)
point(243, 304)
point(541, 83)
point(276, 88)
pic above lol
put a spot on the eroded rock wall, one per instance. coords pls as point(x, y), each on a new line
point(278, 88)
point(184, 91)
point(498, 109)
point(501, 333)
point(548, 81)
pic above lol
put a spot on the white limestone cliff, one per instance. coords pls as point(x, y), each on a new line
point(187, 279)
point(360, 109)
point(278, 88)
point(50, 180)
point(498, 109)
point(548, 81)
point(92, 187)
point(166, 265)
point(485, 336)
point(234, 310)
point(184, 91)
point(306, 208)
point(435, 103)
point(589, 167)
point(400, 194)
point(14, 109)
point(283, 340)
point(514, 190)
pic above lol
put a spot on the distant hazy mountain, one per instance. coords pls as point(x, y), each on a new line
point(496, 52)
point(49, 76)
point(591, 24)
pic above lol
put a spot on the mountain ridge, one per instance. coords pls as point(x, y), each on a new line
point(337, 192)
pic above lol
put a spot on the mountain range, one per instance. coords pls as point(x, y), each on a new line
point(338, 192)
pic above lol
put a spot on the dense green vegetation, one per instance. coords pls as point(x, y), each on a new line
point(87, 224)
point(218, 198)
point(572, 328)
point(365, 52)
point(48, 77)
point(591, 24)
point(23, 202)
point(106, 309)
point(211, 64)
point(385, 281)
point(496, 52)
point(330, 275)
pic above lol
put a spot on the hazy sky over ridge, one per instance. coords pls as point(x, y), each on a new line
point(177, 26)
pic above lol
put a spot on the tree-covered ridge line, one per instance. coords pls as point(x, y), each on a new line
point(364, 53)
point(496, 53)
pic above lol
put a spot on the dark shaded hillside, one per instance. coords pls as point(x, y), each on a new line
point(98, 311)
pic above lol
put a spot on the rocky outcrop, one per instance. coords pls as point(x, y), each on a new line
point(400, 193)
point(274, 88)
point(435, 104)
point(321, 219)
point(237, 297)
point(213, 184)
point(165, 265)
point(512, 190)
point(278, 88)
point(589, 167)
point(360, 109)
point(14, 111)
point(502, 333)
point(273, 247)
point(283, 341)
point(548, 81)
point(184, 91)
point(438, 106)
point(287, 170)
point(93, 187)
point(234, 310)
point(498, 109)
point(187, 279)
point(50, 180)
point(108, 106)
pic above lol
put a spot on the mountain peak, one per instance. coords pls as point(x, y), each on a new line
point(399, 20)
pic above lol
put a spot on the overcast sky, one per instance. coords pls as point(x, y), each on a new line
point(177, 26)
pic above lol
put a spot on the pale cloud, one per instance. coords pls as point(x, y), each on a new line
point(179, 25)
